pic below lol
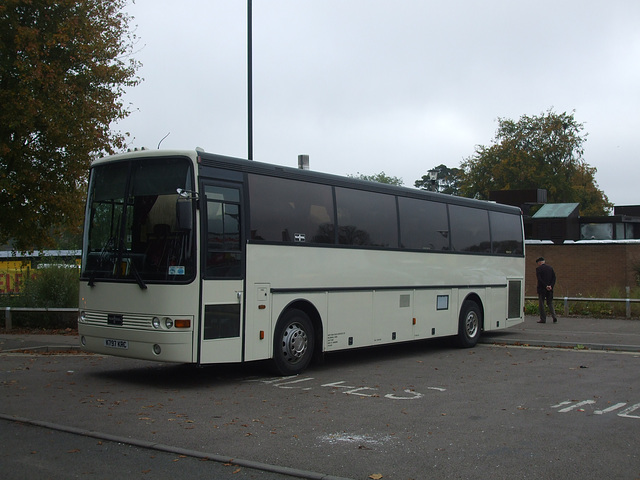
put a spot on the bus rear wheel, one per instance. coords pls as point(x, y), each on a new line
point(469, 325)
point(293, 343)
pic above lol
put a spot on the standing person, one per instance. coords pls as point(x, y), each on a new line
point(546, 281)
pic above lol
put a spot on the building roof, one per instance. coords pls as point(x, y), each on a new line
point(557, 210)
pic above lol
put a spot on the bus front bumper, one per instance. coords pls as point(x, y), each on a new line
point(160, 346)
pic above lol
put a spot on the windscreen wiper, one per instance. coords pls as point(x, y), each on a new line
point(136, 275)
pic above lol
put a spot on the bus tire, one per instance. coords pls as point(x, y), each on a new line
point(293, 343)
point(469, 325)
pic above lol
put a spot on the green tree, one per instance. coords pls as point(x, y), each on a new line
point(64, 65)
point(441, 179)
point(379, 177)
point(544, 151)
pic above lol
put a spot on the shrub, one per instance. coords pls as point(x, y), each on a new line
point(54, 286)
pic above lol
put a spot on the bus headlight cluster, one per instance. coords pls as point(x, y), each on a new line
point(82, 316)
point(168, 323)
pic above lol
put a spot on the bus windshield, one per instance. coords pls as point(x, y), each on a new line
point(139, 222)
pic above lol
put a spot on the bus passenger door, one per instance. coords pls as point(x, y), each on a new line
point(221, 307)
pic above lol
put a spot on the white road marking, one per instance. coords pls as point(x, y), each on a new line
point(285, 384)
point(414, 395)
point(627, 411)
point(577, 405)
point(610, 409)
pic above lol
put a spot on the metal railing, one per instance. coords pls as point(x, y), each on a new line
point(8, 323)
point(566, 300)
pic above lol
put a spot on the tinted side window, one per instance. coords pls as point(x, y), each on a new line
point(284, 210)
point(469, 229)
point(366, 218)
point(423, 224)
point(506, 233)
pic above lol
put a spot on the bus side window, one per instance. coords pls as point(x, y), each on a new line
point(506, 233)
point(470, 229)
point(423, 224)
point(366, 218)
point(290, 211)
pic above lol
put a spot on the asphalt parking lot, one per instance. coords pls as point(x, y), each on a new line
point(505, 409)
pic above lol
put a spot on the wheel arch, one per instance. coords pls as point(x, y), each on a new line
point(474, 297)
point(316, 320)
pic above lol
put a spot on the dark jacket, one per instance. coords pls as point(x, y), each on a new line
point(546, 276)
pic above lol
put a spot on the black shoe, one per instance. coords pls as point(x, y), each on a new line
point(542, 321)
point(555, 320)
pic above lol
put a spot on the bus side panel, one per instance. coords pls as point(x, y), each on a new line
point(495, 314)
point(435, 312)
point(392, 316)
point(221, 313)
point(498, 313)
point(258, 338)
point(349, 320)
point(358, 293)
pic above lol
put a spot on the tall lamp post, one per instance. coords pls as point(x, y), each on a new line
point(249, 83)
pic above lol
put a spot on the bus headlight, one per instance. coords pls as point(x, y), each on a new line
point(155, 322)
point(82, 316)
point(168, 322)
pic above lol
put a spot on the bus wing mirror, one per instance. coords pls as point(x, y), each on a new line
point(184, 215)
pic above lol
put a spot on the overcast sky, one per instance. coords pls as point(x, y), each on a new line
point(400, 86)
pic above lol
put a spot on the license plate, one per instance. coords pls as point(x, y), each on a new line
point(124, 344)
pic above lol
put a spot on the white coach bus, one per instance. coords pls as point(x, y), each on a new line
point(198, 258)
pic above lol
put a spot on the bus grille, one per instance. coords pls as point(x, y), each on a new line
point(129, 320)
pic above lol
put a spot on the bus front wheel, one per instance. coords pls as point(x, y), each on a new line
point(469, 324)
point(293, 343)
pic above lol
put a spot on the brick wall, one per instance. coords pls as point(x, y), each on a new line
point(585, 269)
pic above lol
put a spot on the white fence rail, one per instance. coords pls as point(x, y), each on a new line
point(566, 300)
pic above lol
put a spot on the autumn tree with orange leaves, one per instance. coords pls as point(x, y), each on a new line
point(544, 151)
point(64, 65)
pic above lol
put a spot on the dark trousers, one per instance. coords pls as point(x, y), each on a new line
point(547, 297)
